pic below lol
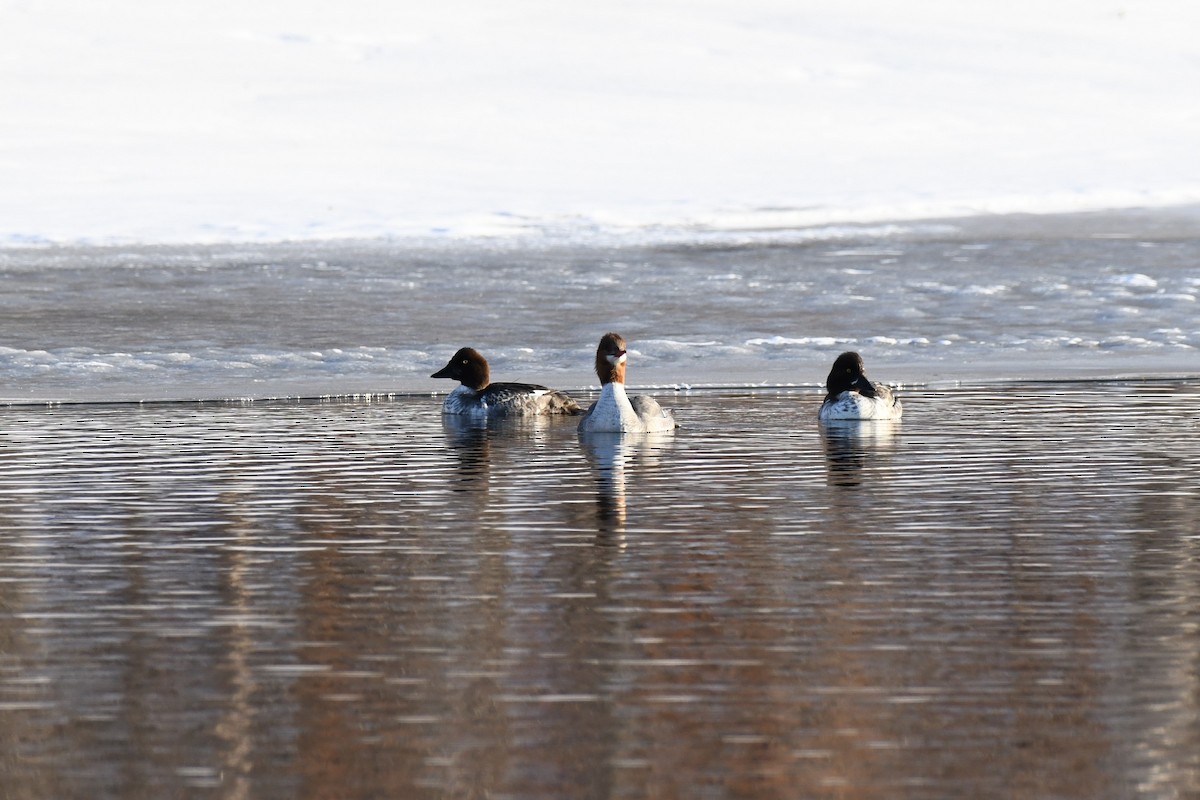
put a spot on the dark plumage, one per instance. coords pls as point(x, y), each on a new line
point(478, 395)
point(849, 394)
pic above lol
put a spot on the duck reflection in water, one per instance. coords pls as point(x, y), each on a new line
point(468, 438)
point(854, 448)
point(616, 461)
point(472, 438)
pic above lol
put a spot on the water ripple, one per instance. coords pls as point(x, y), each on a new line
point(994, 596)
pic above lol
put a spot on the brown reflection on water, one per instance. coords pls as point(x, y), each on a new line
point(853, 447)
point(355, 600)
point(1162, 635)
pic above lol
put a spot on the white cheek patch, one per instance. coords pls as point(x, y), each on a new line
point(618, 360)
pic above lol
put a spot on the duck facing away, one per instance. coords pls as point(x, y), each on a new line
point(851, 395)
point(615, 411)
point(479, 396)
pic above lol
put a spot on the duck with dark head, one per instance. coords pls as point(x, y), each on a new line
point(615, 411)
point(851, 395)
point(477, 395)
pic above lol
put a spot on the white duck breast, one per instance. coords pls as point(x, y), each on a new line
point(615, 411)
point(850, 395)
point(852, 405)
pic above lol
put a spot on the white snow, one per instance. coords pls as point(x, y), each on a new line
point(214, 120)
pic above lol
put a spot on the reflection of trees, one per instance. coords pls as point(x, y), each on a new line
point(290, 600)
point(1165, 595)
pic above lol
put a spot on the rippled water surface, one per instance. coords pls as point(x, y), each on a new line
point(999, 596)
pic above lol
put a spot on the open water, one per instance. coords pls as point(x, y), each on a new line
point(998, 596)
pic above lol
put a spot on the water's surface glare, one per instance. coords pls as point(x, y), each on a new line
point(996, 597)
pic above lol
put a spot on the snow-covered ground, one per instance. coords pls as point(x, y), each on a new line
point(274, 119)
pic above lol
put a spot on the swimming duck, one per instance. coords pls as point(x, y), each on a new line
point(615, 411)
point(851, 395)
point(478, 396)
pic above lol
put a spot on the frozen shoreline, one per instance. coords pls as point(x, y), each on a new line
point(936, 302)
point(1166, 220)
point(808, 396)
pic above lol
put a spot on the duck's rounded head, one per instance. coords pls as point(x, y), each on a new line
point(848, 375)
point(610, 359)
point(468, 367)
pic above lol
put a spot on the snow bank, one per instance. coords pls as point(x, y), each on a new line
point(217, 120)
